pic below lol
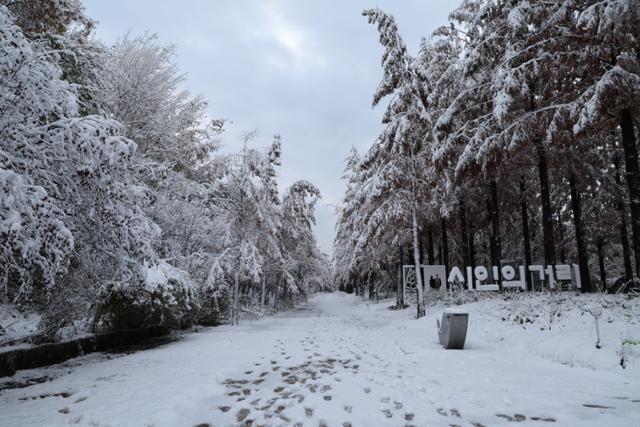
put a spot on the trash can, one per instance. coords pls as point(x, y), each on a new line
point(452, 332)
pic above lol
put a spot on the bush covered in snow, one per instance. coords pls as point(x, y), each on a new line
point(163, 296)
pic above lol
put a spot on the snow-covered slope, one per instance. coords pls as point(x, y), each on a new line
point(340, 361)
point(15, 325)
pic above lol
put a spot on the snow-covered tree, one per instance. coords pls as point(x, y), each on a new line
point(396, 161)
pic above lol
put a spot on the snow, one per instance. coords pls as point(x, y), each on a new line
point(163, 275)
point(455, 310)
point(340, 360)
point(515, 19)
point(15, 325)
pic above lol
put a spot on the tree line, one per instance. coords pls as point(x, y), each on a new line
point(509, 135)
point(116, 208)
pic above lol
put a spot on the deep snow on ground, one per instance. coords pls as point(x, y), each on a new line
point(530, 360)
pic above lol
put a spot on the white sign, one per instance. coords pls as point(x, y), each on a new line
point(435, 276)
point(480, 275)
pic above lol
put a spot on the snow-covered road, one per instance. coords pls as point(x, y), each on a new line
point(339, 361)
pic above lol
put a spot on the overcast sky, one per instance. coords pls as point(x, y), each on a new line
point(304, 69)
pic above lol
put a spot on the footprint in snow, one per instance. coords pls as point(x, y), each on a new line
point(591, 405)
point(515, 418)
point(242, 414)
point(543, 419)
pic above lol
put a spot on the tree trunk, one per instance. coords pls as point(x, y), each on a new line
point(547, 213)
point(430, 245)
point(444, 247)
point(624, 235)
point(235, 317)
point(420, 260)
point(403, 294)
point(496, 243)
point(400, 285)
point(525, 232)
point(264, 290)
point(416, 264)
point(603, 274)
point(583, 257)
point(561, 238)
point(464, 236)
point(472, 247)
point(633, 180)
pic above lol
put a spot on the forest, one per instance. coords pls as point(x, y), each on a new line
point(510, 135)
point(117, 210)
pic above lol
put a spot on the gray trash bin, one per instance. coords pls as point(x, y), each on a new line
point(453, 329)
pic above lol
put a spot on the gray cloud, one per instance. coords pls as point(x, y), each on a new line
point(304, 69)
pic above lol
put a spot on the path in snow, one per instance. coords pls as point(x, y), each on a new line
point(335, 361)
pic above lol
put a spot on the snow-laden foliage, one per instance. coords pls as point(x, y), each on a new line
point(516, 117)
point(56, 165)
point(140, 86)
point(115, 209)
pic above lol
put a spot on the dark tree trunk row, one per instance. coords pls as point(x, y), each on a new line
point(472, 246)
point(603, 274)
point(583, 258)
point(525, 232)
point(430, 245)
point(563, 257)
point(464, 237)
point(495, 243)
point(444, 247)
point(547, 213)
point(633, 180)
point(624, 236)
point(399, 284)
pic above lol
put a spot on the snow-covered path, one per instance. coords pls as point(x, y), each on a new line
point(338, 361)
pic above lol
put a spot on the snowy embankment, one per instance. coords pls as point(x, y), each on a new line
point(15, 326)
point(340, 361)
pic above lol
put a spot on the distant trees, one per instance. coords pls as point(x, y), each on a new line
point(116, 211)
point(519, 116)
